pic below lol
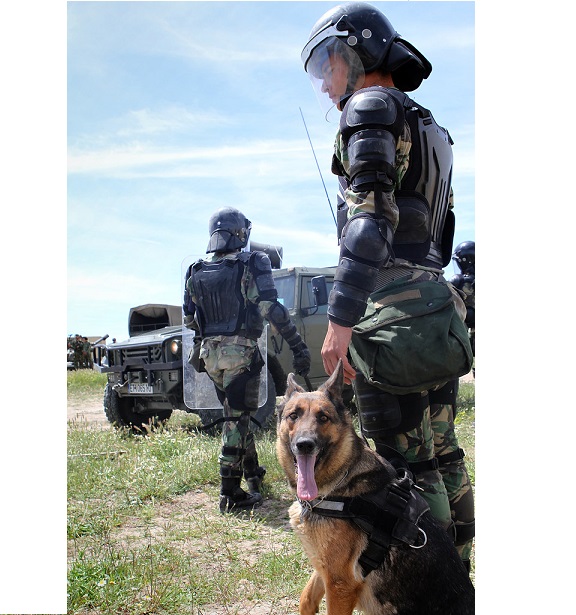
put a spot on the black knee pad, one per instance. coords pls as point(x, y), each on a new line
point(412, 409)
point(446, 395)
point(220, 394)
point(464, 532)
point(378, 411)
point(242, 392)
point(383, 414)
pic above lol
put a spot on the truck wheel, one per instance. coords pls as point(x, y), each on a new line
point(120, 412)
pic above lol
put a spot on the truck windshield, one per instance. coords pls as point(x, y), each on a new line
point(285, 288)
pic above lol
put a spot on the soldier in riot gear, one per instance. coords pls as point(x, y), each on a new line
point(226, 299)
point(395, 220)
point(464, 256)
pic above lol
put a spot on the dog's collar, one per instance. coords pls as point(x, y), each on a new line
point(322, 504)
point(310, 504)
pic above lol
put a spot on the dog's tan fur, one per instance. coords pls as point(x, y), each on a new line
point(345, 466)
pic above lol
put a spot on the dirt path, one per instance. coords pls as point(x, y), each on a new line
point(89, 410)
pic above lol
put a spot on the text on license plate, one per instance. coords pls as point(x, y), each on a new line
point(137, 387)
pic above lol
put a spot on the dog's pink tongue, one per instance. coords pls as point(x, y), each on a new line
point(306, 488)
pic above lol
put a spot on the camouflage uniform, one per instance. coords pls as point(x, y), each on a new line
point(446, 487)
point(87, 354)
point(465, 282)
point(226, 359)
point(468, 289)
point(77, 346)
point(454, 476)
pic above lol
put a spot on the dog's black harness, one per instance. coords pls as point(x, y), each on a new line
point(389, 517)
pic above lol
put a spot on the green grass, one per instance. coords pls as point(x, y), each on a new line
point(465, 425)
point(144, 532)
point(85, 383)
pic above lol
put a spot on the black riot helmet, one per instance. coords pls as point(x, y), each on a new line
point(366, 39)
point(229, 230)
point(464, 256)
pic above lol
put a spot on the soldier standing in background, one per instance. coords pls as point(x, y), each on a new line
point(87, 354)
point(226, 299)
point(464, 256)
point(77, 347)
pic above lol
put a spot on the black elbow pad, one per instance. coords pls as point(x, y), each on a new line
point(364, 249)
point(280, 318)
point(261, 268)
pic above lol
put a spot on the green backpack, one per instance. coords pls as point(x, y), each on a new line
point(411, 338)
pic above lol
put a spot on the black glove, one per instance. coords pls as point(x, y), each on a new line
point(302, 360)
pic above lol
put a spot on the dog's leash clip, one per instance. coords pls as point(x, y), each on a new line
point(305, 507)
point(425, 539)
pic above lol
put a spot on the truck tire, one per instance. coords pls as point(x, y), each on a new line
point(120, 412)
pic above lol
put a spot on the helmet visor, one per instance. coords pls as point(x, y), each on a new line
point(335, 70)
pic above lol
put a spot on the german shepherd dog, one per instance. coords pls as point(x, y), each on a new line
point(414, 569)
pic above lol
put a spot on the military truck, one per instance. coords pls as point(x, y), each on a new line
point(145, 372)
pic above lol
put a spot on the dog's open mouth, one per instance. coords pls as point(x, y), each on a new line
point(306, 488)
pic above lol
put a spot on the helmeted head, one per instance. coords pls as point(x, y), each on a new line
point(358, 37)
point(464, 256)
point(229, 230)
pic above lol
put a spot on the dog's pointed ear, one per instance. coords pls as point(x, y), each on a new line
point(333, 386)
point(292, 387)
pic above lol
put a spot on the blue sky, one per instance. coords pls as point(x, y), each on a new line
point(175, 109)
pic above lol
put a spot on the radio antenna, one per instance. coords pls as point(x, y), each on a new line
point(318, 167)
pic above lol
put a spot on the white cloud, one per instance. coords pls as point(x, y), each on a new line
point(114, 161)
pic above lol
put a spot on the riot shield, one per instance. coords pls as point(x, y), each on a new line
point(199, 391)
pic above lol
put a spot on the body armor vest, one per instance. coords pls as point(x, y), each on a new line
point(425, 229)
point(430, 175)
point(221, 306)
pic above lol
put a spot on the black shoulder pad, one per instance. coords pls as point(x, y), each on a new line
point(457, 280)
point(261, 268)
point(372, 107)
point(261, 262)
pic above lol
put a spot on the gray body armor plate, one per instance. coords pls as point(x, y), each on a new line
point(430, 175)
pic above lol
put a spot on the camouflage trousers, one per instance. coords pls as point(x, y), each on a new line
point(447, 489)
point(227, 359)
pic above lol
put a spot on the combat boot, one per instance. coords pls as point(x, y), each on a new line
point(233, 498)
point(254, 479)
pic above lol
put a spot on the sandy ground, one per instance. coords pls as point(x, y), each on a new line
point(90, 411)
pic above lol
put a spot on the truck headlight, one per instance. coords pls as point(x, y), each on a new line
point(176, 348)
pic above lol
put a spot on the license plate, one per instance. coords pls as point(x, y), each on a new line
point(137, 387)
